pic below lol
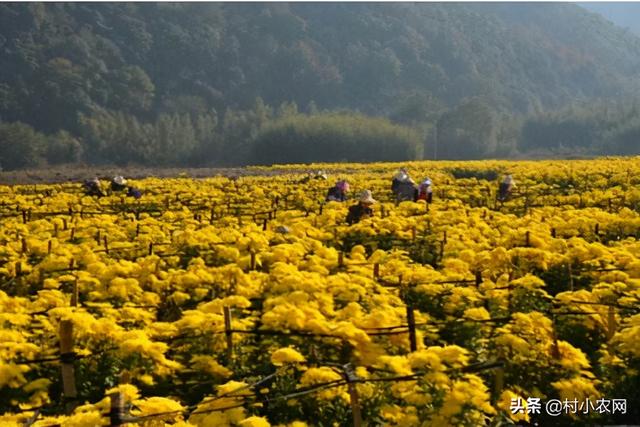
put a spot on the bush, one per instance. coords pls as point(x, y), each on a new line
point(20, 146)
point(334, 138)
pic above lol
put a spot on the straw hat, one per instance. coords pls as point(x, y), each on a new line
point(508, 179)
point(401, 176)
point(119, 180)
point(366, 197)
point(343, 185)
point(426, 182)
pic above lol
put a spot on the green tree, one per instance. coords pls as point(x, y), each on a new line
point(20, 146)
point(466, 132)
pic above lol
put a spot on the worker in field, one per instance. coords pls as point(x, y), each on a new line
point(92, 187)
point(338, 193)
point(118, 183)
point(425, 191)
point(506, 187)
point(362, 209)
point(403, 187)
point(320, 175)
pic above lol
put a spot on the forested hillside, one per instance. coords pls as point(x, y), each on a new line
point(197, 83)
point(623, 14)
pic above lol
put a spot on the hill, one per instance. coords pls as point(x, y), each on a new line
point(626, 15)
point(72, 66)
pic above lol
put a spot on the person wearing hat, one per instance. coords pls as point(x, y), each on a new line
point(398, 178)
point(403, 187)
point(362, 209)
point(425, 192)
point(92, 187)
point(506, 186)
point(118, 183)
point(338, 193)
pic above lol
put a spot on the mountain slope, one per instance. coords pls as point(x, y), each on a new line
point(61, 59)
point(626, 15)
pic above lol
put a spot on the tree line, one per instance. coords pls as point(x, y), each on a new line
point(266, 135)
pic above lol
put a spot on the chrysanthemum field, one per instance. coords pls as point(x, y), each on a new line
point(192, 307)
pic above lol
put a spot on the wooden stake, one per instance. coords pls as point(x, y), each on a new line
point(499, 382)
point(353, 394)
point(228, 333)
point(553, 233)
point(555, 350)
point(24, 246)
point(253, 261)
point(411, 320)
point(66, 348)
point(18, 268)
point(74, 294)
point(478, 278)
point(150, 248)
point(376, 271)
point(611, 323)
point(527, 239)
point(341, 259)
point(49, 247)
point(116, 415)
point(413, 233)
point(106, 245)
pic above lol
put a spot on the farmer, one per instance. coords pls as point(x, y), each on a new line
point(118, 183)
point(362, 209)
point(92, 187)
point(506, 186)
point(314, 175)
point(403, 187)
point(425, 192)
point(338, 193)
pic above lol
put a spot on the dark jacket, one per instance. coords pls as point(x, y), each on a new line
point(92, 189)
point(356, 212)
point(117, 187)
point(336, 195)
point(504, 192)
point(405, 191)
